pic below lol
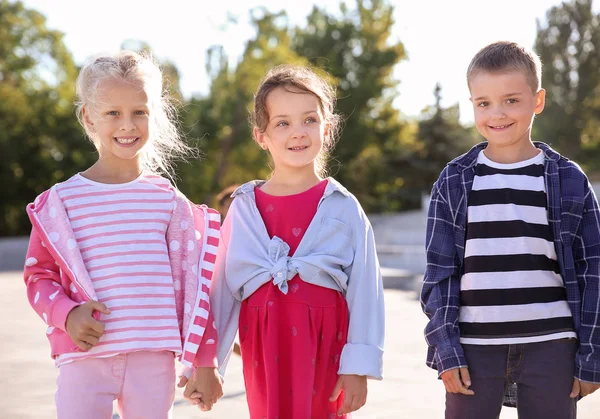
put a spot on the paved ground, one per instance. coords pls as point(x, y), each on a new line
point(410, 390)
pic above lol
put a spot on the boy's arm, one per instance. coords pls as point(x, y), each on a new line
point(363, 352)
point(440, 295)
point(586, 252)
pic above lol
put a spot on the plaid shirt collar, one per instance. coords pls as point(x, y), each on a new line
point(469, 159)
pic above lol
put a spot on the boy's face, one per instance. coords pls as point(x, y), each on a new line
point(504, 106)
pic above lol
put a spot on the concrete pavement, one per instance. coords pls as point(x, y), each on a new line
point(409, 390)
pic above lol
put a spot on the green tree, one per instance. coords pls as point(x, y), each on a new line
point(40, 140)
point(220, 120)
point(568, 43)
point(441, 138)
point(356, 49)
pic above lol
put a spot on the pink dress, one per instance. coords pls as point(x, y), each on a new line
point(291, 343)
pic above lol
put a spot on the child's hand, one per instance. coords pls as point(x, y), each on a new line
point(457, 380)
point(195, 397)
point(583, 388)
point(355, 392)
point(83, 329)
point(204, 389)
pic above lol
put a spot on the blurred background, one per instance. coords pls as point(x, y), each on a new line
point(399, 68)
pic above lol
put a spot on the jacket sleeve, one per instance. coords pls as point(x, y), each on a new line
point(226, 308)
point(192, 238)
point(440, 294)
point(363, 352)
point(207, 353)
point(586, 253)
point(44, 289)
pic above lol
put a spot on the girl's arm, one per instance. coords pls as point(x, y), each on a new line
point(225, 308)
point(192, 238)
point(204, 387)
point(44, 289)
point(363, 352)
point(207, 352)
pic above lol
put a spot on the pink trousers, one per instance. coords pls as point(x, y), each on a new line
point(143, 383)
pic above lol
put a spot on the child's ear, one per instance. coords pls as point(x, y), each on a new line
point(540, 101)
point(86, 119)
point(259, 137)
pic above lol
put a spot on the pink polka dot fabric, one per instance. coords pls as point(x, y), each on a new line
point(61, 271)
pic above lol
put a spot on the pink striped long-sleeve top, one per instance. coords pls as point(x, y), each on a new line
point(141, 249)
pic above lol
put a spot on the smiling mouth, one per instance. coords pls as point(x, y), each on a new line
point(501, 126)
point(126, 140)
point(299, 148)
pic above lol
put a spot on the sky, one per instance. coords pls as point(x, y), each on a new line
point(440, 36)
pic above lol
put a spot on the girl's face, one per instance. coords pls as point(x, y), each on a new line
point(119, 121)
point(295, 131)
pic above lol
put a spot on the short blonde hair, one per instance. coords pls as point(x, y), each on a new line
point(165, 142)
point(507, 56)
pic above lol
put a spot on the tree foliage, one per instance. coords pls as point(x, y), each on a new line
point(355, 47)
point(568, 43)
point(40, 140)
point(220, 120)
point(385, 159)
point(441, 138)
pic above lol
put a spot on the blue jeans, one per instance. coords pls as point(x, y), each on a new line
point(543, 373)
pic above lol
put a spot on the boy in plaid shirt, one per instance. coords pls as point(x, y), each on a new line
point(511, 287)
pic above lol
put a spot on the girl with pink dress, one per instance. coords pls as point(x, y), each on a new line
point(296, 271)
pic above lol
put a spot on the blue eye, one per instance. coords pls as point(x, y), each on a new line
point(311, 119)
point(281, 124)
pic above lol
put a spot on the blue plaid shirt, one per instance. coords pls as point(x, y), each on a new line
point(574, 218)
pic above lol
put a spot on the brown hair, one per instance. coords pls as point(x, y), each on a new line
point(507, 56)
point(298, 79)
point(224, 199)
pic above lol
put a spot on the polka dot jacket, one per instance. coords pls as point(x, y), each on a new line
point(57, 280)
